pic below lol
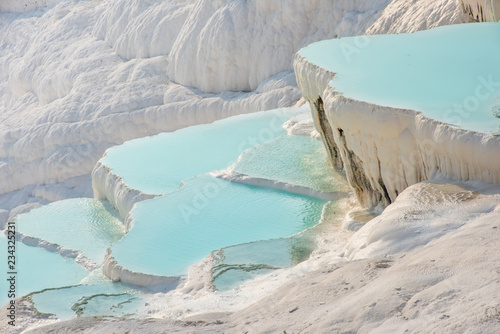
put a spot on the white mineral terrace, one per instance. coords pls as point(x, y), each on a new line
point(389, 134)
point(205, 222)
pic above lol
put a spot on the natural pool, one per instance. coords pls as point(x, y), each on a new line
point(38, 269)
point(450, 74)
point(250, 229)
point(83, 224)
point(296, 160)
point(177, 230)
point(96, 297)
point(209, 213)
point(236, 264)
point(158, 164)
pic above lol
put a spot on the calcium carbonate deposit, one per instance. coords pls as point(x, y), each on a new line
point(359, 193)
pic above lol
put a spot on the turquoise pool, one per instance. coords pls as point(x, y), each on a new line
point(195, 214)
point(83, 224)
point(38, 269)
point(103, 298)
point(237, 264)
point(450, 74)
point(297, 160)
point(177, 230)
point(158, 164)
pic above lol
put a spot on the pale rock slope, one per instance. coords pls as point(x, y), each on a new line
point(22, 6)
point(409, 16)
point(69, 92)
point(237, 44)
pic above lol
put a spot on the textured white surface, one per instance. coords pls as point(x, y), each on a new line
point(22, 6)
point(402, 16)
point(109, 186)
point(237, 44)
point(77, 77)
point(68, 92)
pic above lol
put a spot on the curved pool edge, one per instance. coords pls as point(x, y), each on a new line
point(118, 273)
point(383, 150)
point(110, 187)
point(277, 185)
point(75, 255)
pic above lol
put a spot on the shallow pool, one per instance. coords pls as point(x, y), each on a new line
point(103, 298)
point(177, 230)
point(239, 263)
point(38, 269)
point(82, 224)
point(297, 160)
point(450, 74)
point(195, 214)
point(158, 164)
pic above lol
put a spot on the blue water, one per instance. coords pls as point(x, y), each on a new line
point(101, 298)
point(83, 224)
point(38, 269)
point(158, 164)
point(184, 225)
point(177, 230)
point(297, 160)
point(237, 264)
point(451, 73)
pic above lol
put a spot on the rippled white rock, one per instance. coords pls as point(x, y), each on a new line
point(77, 77)
point(16, 6)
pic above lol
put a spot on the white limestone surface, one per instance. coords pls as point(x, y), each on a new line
point(77, 77)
